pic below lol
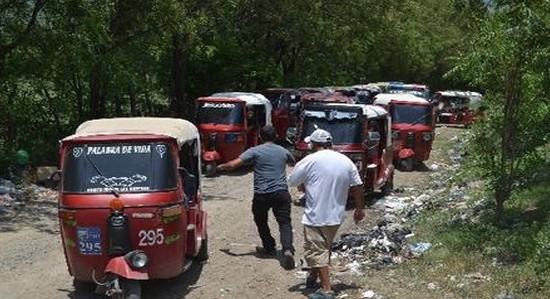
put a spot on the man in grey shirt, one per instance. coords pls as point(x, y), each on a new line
point(270, 192)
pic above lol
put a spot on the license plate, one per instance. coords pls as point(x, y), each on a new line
point(89, 240)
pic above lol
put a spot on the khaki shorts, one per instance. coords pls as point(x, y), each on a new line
point(317, 243)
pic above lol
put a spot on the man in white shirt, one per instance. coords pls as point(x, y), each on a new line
point(328, 178)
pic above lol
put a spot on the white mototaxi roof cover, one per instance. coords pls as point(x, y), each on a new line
point(179, 129)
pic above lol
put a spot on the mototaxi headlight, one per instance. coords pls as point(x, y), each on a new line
point(395, 134)
point(355, 157)
point(427, 136)
point(138, 259)
point(291, 133)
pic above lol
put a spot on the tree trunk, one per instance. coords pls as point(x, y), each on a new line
point(133, 101)
point(178, 102)
point(118, 105)
point(508, 135)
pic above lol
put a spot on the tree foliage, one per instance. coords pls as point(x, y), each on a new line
point(66, 61)
point(509, 59)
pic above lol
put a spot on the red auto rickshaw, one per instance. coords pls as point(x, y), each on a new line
point(229, 123)
point(130, 202)
point(362, 132)
point(413, 127)
point(282, 116)
point(457, 107)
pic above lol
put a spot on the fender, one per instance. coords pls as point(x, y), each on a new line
point(211, 156)
point(119, 266)
point(406, 153)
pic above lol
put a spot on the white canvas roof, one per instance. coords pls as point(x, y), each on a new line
point(386, 98)
point(371, 111)
point(179, 129)
point(456, 93)
point(251, 99)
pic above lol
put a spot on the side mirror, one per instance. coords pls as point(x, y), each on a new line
point(54, 179)
point(190, 181)
point(373, 136)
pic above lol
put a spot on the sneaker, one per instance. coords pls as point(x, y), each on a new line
point(263, 251)
point(288, 260)
point(320, 294)
point(312, 283)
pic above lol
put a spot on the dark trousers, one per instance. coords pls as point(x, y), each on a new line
point(280, 202)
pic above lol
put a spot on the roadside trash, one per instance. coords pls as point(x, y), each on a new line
point(506, 296)
point(6, 187)
point(420, 247)
point(369, 294)
point(478, 277)
point(354, 268)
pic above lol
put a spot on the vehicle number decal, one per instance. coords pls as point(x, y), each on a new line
point(89, 240)
point(151, 237)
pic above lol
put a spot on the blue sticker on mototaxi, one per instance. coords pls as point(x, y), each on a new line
point(89, 240)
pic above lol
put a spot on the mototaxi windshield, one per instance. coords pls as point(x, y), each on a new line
point(411, 114)
point(220, 113)
point(121, 167)
point(345, 130)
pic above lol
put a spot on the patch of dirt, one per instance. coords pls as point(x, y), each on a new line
point(32, 262)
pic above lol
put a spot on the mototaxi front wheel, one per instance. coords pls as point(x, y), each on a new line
point(407, 164)
point(131, 289)
point(210, 169)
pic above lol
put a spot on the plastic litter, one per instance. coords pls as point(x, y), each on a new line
point(369, 294)
point(6, 187)
point(420, 247)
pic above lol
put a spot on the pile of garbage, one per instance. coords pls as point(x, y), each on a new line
point(389, 242)
point(13, 198)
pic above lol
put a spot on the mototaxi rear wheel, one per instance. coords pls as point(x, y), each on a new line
point(203, 255)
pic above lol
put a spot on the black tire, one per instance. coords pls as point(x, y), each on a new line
point(203, 255)
point(83, 289)
point(131, 289)
point(387, 187)
point(407, 164)
point(210, 169)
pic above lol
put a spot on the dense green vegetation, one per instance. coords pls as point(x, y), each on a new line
point(66, 61)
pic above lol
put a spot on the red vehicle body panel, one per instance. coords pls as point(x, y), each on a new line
point(224, 151)
point(421, 148)
point(280, 115)
point(119, 266)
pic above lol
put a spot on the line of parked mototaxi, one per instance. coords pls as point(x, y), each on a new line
point(130, 200)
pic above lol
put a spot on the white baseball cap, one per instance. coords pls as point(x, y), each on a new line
point(319, 136)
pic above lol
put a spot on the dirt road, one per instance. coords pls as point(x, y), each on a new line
point(32, 263)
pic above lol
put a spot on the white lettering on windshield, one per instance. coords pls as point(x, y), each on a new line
point(119, 189)
point(116, 150)
point(103, 150)
point(142, 149)
point(218, 105)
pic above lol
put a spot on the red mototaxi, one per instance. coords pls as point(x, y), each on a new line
point(361, 132)
point(130, 201)
point(229, 123)
point(281, 100)
point(455, 107)
point(413, 127)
